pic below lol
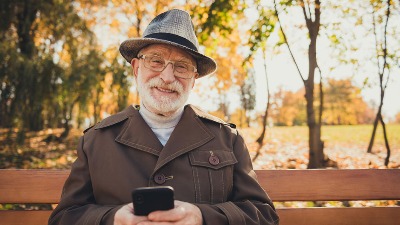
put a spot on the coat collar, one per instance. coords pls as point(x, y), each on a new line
point(136, 133)
point(190, 133)
point(116, 118)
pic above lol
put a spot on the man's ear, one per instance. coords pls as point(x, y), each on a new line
point(135, 66)
point(194, 81)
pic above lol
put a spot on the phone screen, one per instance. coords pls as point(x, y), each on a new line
point(148, 199)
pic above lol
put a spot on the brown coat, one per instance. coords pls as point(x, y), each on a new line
point(205, 160)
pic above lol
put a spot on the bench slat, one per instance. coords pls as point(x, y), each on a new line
point(289, 216)
point(11, 217)
point(340, 216)
point(22, 186)
point(31, 186)
point(331, 185)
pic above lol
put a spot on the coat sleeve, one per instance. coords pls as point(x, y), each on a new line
point(248, 203)
point(78, 205)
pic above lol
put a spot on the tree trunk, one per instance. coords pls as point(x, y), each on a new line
point(383, 86)
point(26, 16)
point(5, 109)
point(321, 99)
point(65, 133)
point(265, 117)
point(386, 142)
point(96, 106)
point(34, 115)
point(264, 126)
point(66, 119)
point(371, 141)
point(260, 139)
point(316, 154)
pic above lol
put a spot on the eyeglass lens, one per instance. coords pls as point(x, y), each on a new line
point(157, 63)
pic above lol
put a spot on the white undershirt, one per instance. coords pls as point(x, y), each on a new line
point(162, 126)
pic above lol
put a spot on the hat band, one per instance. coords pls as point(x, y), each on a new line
point(173, 38)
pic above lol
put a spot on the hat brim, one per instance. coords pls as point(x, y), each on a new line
point(130, 48)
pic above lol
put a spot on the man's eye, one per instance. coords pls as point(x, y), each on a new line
point(157, 61)
point(181, 66)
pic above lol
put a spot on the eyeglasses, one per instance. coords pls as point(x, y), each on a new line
point(158, 64)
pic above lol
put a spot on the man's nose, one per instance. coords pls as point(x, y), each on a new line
point(167, 75)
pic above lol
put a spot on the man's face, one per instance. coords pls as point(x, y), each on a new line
point(162, 92)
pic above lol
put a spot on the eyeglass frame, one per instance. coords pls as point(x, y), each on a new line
point(166, 62)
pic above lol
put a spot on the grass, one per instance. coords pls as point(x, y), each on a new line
point(339, 134)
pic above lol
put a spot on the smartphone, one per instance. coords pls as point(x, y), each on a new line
point(148, 199)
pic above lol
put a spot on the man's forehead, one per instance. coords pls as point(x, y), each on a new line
point(166, 50)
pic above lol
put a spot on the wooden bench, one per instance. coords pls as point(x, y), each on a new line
point(44, 186)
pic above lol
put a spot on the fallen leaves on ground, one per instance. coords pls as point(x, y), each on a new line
point(276, 153)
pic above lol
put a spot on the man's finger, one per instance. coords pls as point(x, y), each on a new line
point(169, 215)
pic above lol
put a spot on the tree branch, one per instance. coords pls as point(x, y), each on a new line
point(376, 43)
point(321, 96)
point(317, 13)
point(286, 42)
point(385, 45)
point(306, 17)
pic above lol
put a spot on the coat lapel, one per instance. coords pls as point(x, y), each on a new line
point(137, 134)
point(190, 133)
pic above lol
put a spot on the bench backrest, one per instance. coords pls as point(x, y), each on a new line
point(44, 186)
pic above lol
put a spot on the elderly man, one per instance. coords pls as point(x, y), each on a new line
point(163, 142)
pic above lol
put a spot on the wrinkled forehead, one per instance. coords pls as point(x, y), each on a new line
point(167, 51)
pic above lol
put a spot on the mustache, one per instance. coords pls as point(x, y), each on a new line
point(157, 82)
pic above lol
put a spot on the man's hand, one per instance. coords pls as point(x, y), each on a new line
point(125, 216)
point(183, 214)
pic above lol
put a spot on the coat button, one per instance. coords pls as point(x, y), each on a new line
point(159, 178)
point(213, 160)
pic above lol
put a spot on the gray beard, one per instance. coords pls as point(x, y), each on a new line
point(164, 105)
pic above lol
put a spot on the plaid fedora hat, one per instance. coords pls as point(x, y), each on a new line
point(173, 27)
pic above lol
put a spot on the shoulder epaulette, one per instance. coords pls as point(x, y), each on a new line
point(232, 125)
point(116, 118)
point(90, 127)
point(210, 117)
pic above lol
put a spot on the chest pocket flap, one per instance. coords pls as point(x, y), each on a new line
point(214, 159)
